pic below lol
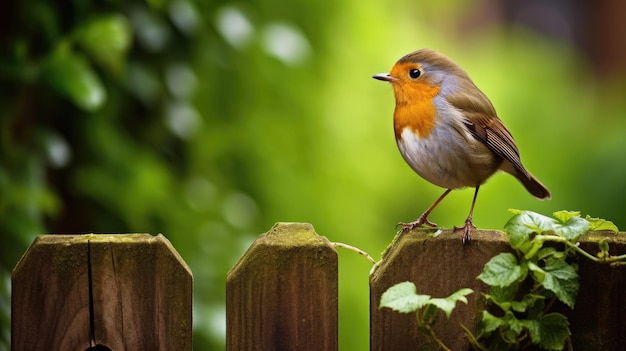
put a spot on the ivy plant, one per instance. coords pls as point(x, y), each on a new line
point(523, 285)
point(403, 298)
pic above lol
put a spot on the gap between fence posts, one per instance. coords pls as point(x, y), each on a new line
point(124, 291)
point(282, 294)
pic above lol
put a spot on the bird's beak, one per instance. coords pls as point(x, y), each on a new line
point(384, 77)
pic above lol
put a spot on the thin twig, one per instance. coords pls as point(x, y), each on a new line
point(357, 250)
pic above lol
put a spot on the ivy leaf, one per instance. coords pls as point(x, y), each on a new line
point(570, 226)
point(552, 331)
point(489, 322)
point(538, 272)
point(502, 270)
point(546, 252)
point(403, 298)
point(601, 224)
point(69, 74)
point(565, 216)
point(534, 330)
point(523, 224)
point(516, 325)
point(529, 300)
point(447, 304)
point(502, 293)
point(562, 280)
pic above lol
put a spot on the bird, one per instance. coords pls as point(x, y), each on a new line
point(448, 131)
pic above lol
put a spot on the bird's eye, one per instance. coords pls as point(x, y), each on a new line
point(414, 73)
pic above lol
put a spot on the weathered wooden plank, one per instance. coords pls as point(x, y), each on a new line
point(282, 294)
point(140, 287)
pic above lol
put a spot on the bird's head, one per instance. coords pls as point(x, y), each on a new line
point(424, 74)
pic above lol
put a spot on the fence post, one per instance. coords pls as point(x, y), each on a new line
point(123, 292)
point(282, 294)
point(438, 266)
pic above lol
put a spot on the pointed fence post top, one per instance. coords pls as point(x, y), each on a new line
point(293, 234)
point(122, 291)
point(284, 238)
point(282, 294)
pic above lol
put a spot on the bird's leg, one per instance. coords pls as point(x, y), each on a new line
point(423, 219)
point(467, 228)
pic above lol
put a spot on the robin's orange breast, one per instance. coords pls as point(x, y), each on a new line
point(415, 108)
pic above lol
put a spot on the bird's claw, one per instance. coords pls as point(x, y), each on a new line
point(467, 230)
point(422, 221)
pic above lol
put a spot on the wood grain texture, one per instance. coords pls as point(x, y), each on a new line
point(282, 294)
point(142, 292)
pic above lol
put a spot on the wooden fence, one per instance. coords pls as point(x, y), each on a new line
point(282, 295)
point(133, 292)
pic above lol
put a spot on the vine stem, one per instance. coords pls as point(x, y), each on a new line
point(559, 239)
point(437, 340)
point(355, 249)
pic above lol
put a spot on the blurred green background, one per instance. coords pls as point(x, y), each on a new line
point(210, 121)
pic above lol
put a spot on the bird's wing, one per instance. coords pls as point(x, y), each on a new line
point(494, 134)
point(481, 120)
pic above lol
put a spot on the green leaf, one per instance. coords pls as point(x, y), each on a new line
point(538, 272)
point(565, 216)
point(562, 280)
point(502, 270)
point(529, 300)
point(403, 298)
point(523, 224)
point(552, 331)
point(489, 322)
point(533, 326)
point(601, 224)
point(531, 250)
point(502, 293)
point(69, 74)
point(570, 226)
point(516, 325)
point(107, 40)
point(546, 252)
point(447, 304)
point(503, 297)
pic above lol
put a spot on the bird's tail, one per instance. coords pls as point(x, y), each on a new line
point(532, 184)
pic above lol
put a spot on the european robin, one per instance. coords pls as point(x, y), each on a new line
point(448, 131)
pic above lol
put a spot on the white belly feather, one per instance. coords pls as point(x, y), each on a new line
point(449, 157)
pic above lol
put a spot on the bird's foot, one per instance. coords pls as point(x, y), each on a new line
point(421, 221)
point(467, 230)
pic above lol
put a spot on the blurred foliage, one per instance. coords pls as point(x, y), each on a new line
point(210, 121)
